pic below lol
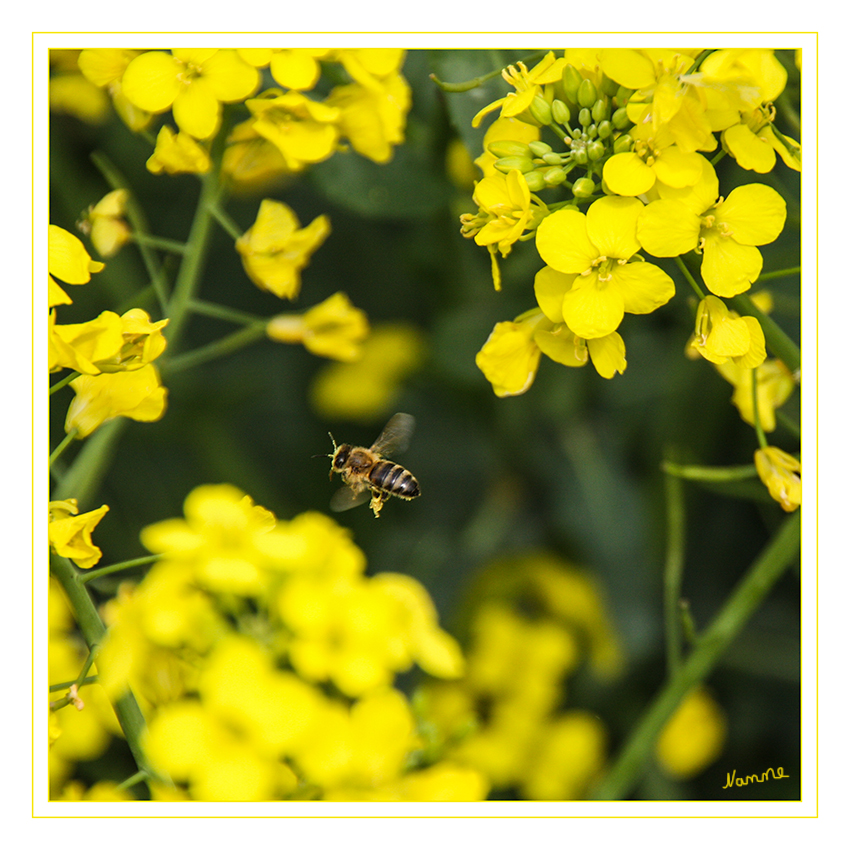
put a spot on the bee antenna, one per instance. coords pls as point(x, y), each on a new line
point(334, 445)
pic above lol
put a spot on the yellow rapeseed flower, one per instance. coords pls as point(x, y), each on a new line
point(722, 335)
point(726, 231)
point(178, 153)
point(104, 223)
point(68, 260)
point(69, 532)
point(373, 117)
point(782, 474)
point(192, 82)
point(334, 328)
point(593, 253)
point(305, 131)
point(109, 343)
point(137, 395)
point(275, 248)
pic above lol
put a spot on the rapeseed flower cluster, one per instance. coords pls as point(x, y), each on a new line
point(264, 659)
point(538, 620)
point(601, 158)
point(293, 124)
point(113, 354)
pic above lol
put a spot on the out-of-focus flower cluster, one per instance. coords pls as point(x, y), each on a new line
point(538, 621)
point(264, 660)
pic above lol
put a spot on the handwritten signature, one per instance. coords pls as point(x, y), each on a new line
point(770, 773)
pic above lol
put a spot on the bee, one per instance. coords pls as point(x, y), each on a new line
point(366, 473)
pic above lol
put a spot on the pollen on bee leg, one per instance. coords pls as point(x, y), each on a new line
point(378, 500)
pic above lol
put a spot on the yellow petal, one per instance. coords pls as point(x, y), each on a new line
point(563, 243)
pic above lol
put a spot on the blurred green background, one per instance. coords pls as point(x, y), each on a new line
point(572, 466)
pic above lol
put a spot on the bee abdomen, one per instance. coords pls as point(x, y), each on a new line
point(395, 479)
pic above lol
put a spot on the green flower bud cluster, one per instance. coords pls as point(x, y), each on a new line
point(589, 119)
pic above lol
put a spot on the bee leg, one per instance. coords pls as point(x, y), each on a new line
point(378, 500)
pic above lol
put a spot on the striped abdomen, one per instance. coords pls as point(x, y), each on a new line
point(394, 479)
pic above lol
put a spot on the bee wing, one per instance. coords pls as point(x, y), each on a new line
point(395, 437)
point(345, 498)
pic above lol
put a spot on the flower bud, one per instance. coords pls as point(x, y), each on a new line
point(601, 109)
point(583, 187)
point(553, 176)
point(552, 158)
point(535, 181)
point(571, 79)
point(623, 144)
point(509, 163)
point(539, 148)
point(584, 117)
point(580, 155)
point(560, 112)
point(587, 93)
point(506, 147)
point(605, 129)
point(620, 118)
point(595, 150)
point(540, 110)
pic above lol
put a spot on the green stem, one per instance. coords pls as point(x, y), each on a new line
point(126, 708)
point(709, 473)
point(83, 477)
point(91, 575)
point(219, 311)
point(468, 85)
point(673, 569)
point(192, 266)
point(690, 278)
point(219, 348)
point(777, 340)
point(68, 439)
point(226, 222)
point(138, 223)
point(708, 650)
point(172, 246)
point(63, 383)
point(791, 270)
point(762, 440)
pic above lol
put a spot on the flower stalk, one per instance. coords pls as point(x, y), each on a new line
point(765, 571)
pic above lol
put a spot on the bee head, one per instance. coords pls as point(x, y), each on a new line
point(340, 456)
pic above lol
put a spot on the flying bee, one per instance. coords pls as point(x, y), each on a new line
point(366, 473)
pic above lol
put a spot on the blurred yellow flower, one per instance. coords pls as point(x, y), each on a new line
point(366, 389)
point(334, 328)
point(693, 737)
point(104, 223)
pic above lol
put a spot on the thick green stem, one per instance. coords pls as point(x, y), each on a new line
point(126, 708)
point(709, 649)
point(194, 258)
